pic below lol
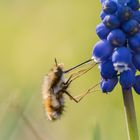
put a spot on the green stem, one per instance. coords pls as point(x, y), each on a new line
point(130, 115)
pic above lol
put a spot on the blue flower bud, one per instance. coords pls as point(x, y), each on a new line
point(124, 13)
point(107, 69)
point(102, 1)
point(102, 31)
point(111, 21)
point(133, 68)
point(127, 79)
point(131, 27)
point(102, 15)
point(137, 85)
point(134, 4)
point(136, 16)
point(108, 85)
point(136, 61)
point(121, 59)
point(117, 37)
point(123, 2)
point(102, 50)
point(134, 42)
point(109, 7)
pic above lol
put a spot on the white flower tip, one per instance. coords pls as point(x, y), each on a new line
point(96, 60)
point(121, 67)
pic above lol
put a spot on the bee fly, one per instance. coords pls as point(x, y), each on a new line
point(55, 86)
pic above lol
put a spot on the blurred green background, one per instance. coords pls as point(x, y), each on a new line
point(33, 33)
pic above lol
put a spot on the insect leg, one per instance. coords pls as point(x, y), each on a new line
point(90, 90)
point(71, 97)
point(80, 97)
point(68, 81)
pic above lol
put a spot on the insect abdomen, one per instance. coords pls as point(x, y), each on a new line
point(54, 107)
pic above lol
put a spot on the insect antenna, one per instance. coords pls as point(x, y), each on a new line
point(66, 71)
point(80, 73)
point(56, 63)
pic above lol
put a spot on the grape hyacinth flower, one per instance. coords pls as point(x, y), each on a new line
point(118, 53)
point(111, 21)
point(133, 68)
point(136, 16)
point(108, 85)
point(102, 50)
point(102, 15)
point(131, 27)
point(128, 82)
point(124, 13)
point(136, 61)
point(121, 59)
point(116, 37)
point(107, 69)
point(102, 31)
point(109, 7)
point(137, 86)
point(134, 4)
point(134, 42)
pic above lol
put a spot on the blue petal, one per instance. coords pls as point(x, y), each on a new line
point(124, 13)
point(117, 37)
point(122, 2)
point(131, 27)
point(133, 68)
point(134, 4)
point(109, 7)
point(136, 61)
point(102, 1)
point(102, 50)
point(102, 31)
point(121, 59)
point(107, 69)
point(134, 42)
point(108, 85)
point(102, 15)
point(127, 79)
point(136, 16)
point(137, 85)
point(111, 21)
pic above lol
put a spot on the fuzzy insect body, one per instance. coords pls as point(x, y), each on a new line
point(55, 86)
point(53, 89)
